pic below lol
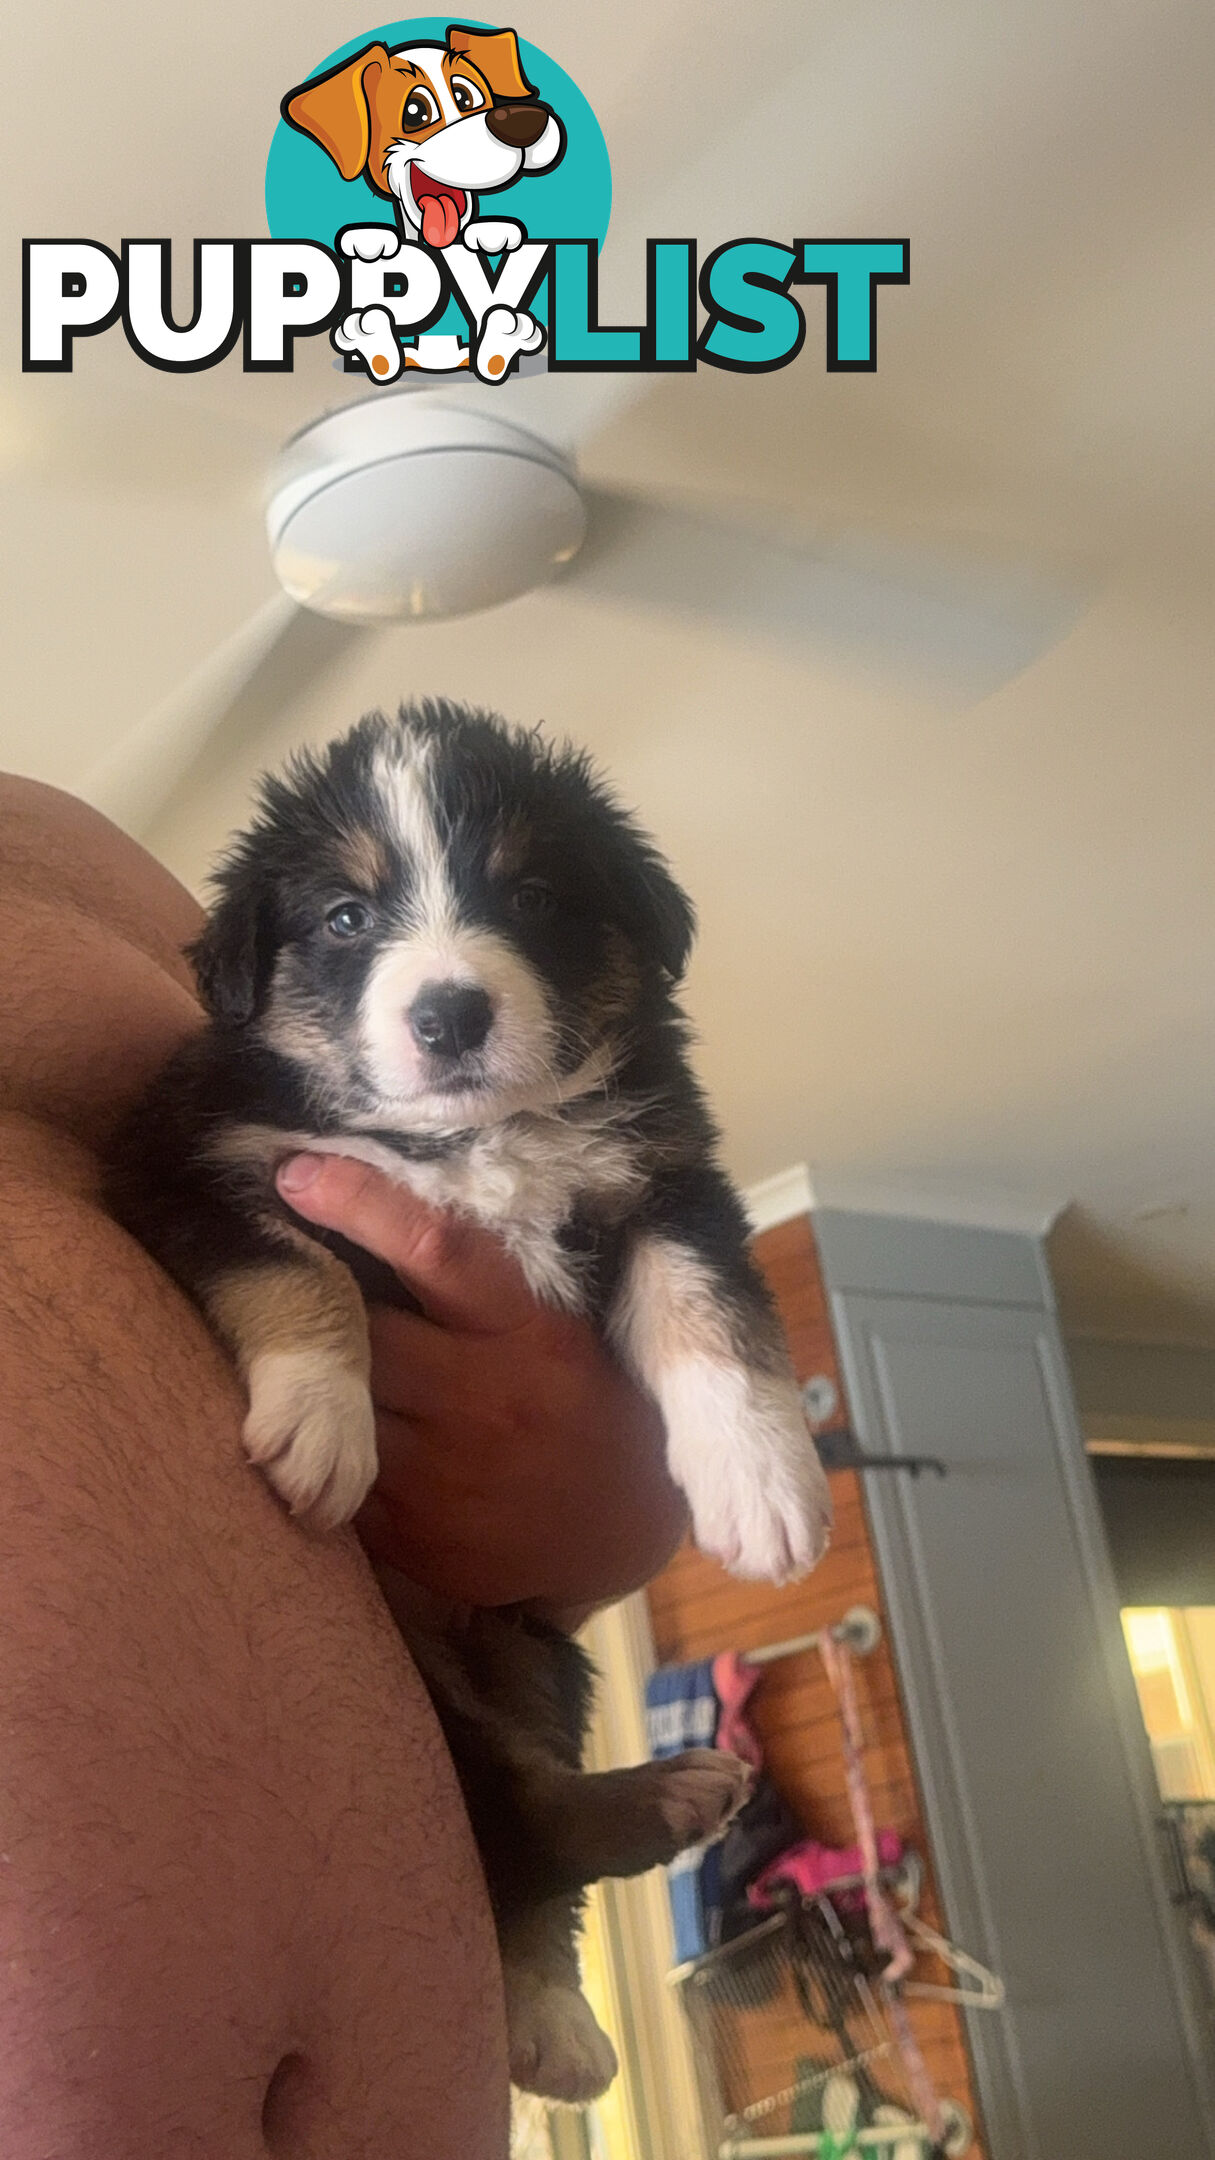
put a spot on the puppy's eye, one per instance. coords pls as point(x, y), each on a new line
point(533, 900)
point(349, 920)
point(419, 110)
point(465, 96)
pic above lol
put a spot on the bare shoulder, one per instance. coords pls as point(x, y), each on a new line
point(238, 1898)
point(95, 991)
point(55, 846)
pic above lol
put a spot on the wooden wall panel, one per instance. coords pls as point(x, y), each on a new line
point(697, 1609)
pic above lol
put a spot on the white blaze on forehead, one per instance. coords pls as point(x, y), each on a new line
point(403, 784)
point(436, 946)
point(428, 60)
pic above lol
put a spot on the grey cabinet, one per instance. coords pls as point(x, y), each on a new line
point(1036, 1779)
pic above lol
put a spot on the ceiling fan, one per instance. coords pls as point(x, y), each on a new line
point(416, 504)
point(419, 501)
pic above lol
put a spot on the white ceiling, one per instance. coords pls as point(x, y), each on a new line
point(957, 957)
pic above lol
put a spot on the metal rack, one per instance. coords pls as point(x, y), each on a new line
point(860, 1629)
point(802, 1965)
point(882, 2138)
point(805, 1970)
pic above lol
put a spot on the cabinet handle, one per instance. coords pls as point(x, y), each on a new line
point(841, 1450)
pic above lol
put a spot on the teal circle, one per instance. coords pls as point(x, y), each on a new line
point(307, 198)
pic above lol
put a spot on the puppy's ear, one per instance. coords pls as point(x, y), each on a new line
point(641, 893)
point(495, 55)
point(234, 954)
point(335, 111)
point(666, 917)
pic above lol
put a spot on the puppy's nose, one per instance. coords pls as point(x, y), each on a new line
point(519, 126)
point(449, 1019)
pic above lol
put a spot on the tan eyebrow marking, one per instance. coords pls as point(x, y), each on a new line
point(364, 859)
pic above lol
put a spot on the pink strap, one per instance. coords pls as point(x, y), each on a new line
point(813, 1868)
point(734, 1683)
point(884, 1923)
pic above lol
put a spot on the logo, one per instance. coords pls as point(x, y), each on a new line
point(437, 194)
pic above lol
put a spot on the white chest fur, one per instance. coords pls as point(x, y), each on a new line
point(523, 1179)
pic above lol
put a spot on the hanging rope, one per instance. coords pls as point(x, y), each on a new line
point(884, 1923)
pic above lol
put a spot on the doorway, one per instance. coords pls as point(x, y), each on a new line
point(1159, 1513)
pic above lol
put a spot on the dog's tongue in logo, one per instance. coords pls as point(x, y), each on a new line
point(441, 208)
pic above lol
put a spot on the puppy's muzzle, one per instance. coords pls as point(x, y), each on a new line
point(518, 126)
point(448, 1020)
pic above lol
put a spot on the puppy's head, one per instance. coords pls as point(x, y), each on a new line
point(431, 125)
point(441, 920)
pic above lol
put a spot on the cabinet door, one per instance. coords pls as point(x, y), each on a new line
point(1032, 1759)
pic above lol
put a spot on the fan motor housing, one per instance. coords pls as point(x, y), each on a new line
point(403, 506)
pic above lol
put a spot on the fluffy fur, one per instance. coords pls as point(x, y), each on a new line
point(444, 947)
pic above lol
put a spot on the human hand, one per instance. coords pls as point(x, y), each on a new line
point(518, 1462)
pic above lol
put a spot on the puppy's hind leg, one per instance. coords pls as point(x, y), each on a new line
point(370, 334)
point(527, 1689)
point(623, 1822)
point(557, 2047)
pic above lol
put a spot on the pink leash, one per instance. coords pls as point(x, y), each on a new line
point(884, 1923)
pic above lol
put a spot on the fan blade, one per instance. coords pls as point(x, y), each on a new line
point(279, 654)
point(957, 623)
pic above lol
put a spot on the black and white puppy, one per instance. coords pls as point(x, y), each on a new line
point(444, 948)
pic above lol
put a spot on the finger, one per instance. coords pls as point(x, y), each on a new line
point(460, 1274)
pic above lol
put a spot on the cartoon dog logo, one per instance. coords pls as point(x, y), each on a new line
point(432, 128)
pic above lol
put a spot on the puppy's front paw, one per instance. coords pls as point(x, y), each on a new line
point(493, 236)
point(740, 1447)
point(556, 2047)
point(311, 1428)
point(370, 243)
point(700, 1791)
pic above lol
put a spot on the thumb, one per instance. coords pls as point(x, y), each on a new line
point(462, 1276)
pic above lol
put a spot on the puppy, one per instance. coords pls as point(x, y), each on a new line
point(444, 948)
point(431, 128)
